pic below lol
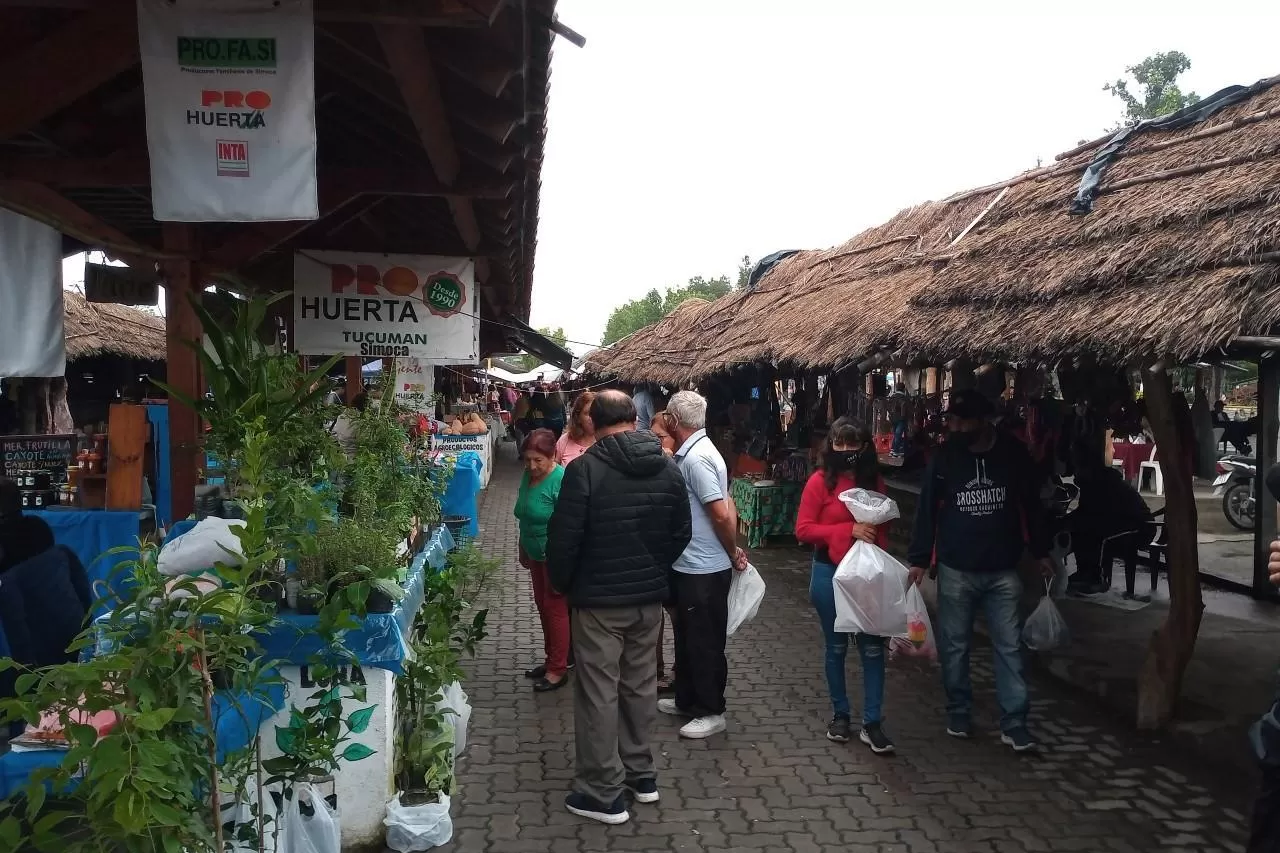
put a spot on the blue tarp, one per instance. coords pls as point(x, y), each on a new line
point(91, 533)
point(463, 495)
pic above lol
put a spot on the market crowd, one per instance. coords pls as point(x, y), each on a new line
point(626, 518)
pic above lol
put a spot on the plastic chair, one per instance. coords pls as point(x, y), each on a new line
point(1158, 475)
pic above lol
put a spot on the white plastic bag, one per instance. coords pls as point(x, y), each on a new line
point(413, 829)
point(918, 642)
point(869, 507)
point(318, 833)
point(1045, 629)
point(211, 541)
point(746, 591)
point(870, 590)
point(454, 700)
point(1058, 552)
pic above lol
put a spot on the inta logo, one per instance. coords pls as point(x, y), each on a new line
point(233, 158)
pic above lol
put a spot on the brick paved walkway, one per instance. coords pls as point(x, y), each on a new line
point(774, 783)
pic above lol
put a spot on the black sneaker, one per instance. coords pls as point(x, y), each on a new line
point(873, 736)
point(536, 673)
point(1020, 739)
point(959, 727)
point(584, 806)
point(644, 790)
point(840, 729)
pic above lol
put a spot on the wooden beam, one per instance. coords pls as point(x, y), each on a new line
point(71, 63)
point(48, 206)
point(183, 371)
point(337, 191)
point(122, 169)
point(418, 13)
point(411, 65)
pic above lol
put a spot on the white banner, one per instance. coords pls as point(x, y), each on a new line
point(231, 111)
point(32, 339)
point(386, 306)
point(415, 385)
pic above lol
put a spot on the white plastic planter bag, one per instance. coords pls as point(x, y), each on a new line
point(318, 832)
point(457, 714)
point(745, 594)
point(211, 541)
point(1045, 629)
point(870, 586)
point(413, 829)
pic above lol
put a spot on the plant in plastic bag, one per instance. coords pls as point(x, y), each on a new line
point(919, 641)
point(870, 592)
point(413, 829)
point(745, 594)
point(1045, 629)
point(316, 832)
point(868, 507)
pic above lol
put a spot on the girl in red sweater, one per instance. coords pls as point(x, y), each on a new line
point(848, 461)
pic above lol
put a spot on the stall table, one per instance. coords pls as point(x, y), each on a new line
point(1131, 456)
point(765, 511)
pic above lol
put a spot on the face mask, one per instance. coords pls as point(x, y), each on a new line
point(844, 460)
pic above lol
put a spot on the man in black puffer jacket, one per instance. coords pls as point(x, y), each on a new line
point(621, 520)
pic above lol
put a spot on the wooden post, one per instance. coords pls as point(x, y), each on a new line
point(1264, 529)
point(355, 382)
point(1171, 646)
point(181, 329)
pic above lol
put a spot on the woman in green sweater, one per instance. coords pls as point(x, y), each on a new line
point(536, 501)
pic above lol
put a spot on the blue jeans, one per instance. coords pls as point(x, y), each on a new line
point(960, 595)
point(870, 649)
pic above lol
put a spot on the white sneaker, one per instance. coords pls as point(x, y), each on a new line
point(669, 706)
point(703, 727)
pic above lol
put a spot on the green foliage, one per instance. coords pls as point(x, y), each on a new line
point(254, 385)
point(139, 788)
point(529, 362)
point(441, 636)
point(1159, 93)
point(653, 306)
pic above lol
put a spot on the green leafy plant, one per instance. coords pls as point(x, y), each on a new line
point(144, 785)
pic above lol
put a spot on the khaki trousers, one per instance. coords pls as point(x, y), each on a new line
point(615, 697)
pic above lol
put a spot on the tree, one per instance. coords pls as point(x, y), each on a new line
point(1157, 77)
point(529, 362)
point(653, 306)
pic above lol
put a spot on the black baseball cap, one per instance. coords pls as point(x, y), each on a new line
point(969, 405)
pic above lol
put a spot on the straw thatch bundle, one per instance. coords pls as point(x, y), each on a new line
point(1180, 255)
point(94, 329)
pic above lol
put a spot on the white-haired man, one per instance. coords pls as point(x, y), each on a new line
point(702, 575)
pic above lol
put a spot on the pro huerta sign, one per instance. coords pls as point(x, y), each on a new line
point(230, 101)
point(386, 306)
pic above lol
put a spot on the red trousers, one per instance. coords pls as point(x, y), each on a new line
point(553, 611)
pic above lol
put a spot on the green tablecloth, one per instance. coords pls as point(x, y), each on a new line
point(766, 511)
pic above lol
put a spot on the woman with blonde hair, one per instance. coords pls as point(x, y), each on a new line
point(580, 432)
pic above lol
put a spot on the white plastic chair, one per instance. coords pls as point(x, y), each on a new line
point(1158, 476)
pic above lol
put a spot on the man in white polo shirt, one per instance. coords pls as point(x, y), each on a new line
point(702, 575)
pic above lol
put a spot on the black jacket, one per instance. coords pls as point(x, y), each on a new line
point(621, 520)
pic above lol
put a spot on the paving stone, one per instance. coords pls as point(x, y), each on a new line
point(773, 782)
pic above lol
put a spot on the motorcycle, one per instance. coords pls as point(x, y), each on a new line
point(1235, 484)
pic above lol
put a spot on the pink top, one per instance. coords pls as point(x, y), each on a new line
point(568, 450)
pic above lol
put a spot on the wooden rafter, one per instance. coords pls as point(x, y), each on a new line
point(421, 13)
point(76, 59)
point(48, 206)
point(122, 169)
point(411, 65)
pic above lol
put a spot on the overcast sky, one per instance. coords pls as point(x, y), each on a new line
point(688, 133)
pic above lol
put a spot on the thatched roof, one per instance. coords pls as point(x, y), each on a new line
point(94, 328)
point(1180, 254)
